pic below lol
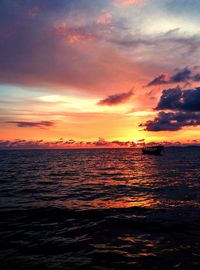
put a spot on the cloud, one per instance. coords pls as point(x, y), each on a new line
point(74, 45)
point(60, 44)
point(184, 107)
point(21, 144)
point(161, 79)
point(67, 144)
point(24, 124)
point(116, 99)
point(182, 76)
point(62, 143)
point(172, 121)
point(181, 100)
point(196, 77)
point(74, 34)
point(126, 3)
point(105, 18)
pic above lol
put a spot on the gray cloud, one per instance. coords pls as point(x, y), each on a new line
point(116, 99)
point(161, 79)
point(172, 121)
point(184, 107)
point(184, 75)
point(182, 100)
point(40, 124)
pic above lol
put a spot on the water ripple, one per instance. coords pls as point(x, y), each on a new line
point(99, 209)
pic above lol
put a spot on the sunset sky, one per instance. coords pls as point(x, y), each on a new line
point(75, 71)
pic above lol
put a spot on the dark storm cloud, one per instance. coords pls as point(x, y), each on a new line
point(172, 121)
point(181, 100)
point(184, 106)
point(40, 124)
point(183, 76)
point(116, 99)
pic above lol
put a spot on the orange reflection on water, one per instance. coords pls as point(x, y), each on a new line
point(139, 246)
point(123, 202)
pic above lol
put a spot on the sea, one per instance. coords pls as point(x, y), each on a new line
point(100, 209)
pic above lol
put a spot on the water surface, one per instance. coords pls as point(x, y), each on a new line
point(100, 209)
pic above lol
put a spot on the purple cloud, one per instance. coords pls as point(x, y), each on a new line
point(101, 143)
point(116, 99)
point(39, 44)
point(40, 144)
point(172, 121)
point(161, 79)
point(40, 124)
point(181, 100)
point(184, 106)
point(196, 77)
point(182, 76)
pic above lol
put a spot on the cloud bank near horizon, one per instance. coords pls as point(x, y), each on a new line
point(70, 144)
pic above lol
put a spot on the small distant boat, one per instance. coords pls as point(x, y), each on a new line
point(153, 150)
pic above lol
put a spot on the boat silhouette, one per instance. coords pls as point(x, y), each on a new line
point(152, 150)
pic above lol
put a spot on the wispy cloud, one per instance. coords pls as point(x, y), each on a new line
point(105, 18)
point(74, 34)
point(25, 124)
point(116, 99)
point(182, 76)
point(127, 3)
point(62, 143)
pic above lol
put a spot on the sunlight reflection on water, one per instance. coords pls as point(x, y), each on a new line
point(99, 209)
point(100, 178)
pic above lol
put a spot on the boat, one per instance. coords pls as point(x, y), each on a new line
point(152, 150)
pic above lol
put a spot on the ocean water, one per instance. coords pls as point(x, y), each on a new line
point(100, 209)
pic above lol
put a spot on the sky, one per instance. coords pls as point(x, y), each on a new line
point(93, 73)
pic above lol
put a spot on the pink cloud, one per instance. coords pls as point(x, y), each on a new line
point(67, 144)
point(119, 3)
point(62, 144)
point(73, 34)
point(105, 18)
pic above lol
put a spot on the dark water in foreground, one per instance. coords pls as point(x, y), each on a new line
point(100, 209)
